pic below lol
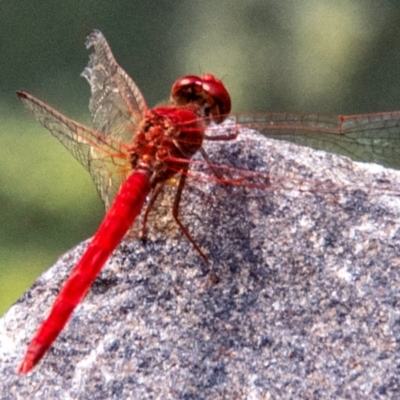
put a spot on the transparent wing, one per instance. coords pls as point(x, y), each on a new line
point(117, 105)
point(368, 137)
point(106, 159)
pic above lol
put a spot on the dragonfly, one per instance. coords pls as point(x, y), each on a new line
point(132, 152)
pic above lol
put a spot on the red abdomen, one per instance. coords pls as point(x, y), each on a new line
point(121, 215)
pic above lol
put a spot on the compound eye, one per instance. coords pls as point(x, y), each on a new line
point(186, 89)
point(208, 91)
point(217, 91)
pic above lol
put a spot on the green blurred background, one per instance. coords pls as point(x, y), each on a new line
point(318, 56)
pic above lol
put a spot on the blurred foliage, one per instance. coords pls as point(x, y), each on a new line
point(320, 56)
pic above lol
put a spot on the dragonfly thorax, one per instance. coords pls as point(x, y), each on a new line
point(166, 140)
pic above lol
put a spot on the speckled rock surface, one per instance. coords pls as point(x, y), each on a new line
point(306, 304)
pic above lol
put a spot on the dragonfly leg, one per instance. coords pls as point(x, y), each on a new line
point(175, 212)
point(213, 169)
point(150, 204)
point(208, 161)
point(229, 136)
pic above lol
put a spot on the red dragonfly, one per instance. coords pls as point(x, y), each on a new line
point(132, 152)
point(160, 140)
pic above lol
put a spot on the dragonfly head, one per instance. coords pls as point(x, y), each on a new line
point(207, 91)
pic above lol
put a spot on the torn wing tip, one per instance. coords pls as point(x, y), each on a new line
point(92, 37)
point(86, 73)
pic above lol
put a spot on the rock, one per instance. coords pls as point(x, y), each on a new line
point(303, 302)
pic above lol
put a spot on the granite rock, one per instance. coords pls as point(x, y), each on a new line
point(299, 299)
